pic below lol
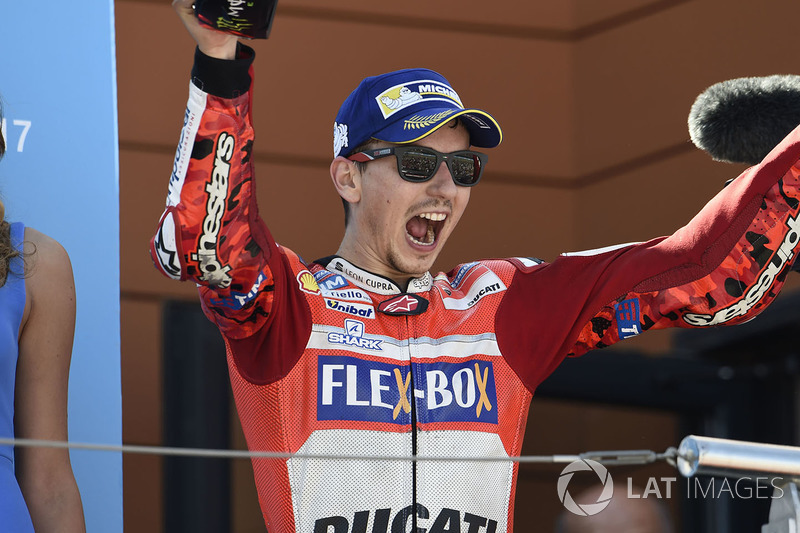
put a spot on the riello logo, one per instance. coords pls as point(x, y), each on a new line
point(349, 388)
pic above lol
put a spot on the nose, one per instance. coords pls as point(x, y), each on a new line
point(441, 185)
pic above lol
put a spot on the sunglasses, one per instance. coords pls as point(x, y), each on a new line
point(418, 163)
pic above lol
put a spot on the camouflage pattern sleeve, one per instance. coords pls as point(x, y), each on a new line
point(723, 268)
point(718, 289)
point(210, 232)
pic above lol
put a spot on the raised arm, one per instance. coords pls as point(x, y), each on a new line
point(723, 268)
point(210, 232)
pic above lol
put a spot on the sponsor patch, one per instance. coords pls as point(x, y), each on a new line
point(191, 124)
point(212, 270)
point(755, 292)
point(350, 308)
point(406, 304)
point(401, 96)
point(330, 281)
point(307, 283)
point(475, 284)
point(363, 278)
point(354, 327)
point(350, 295)
point(354, 336)
point(354, 389)
point(459, 277)
point(237, 300)
point(420, 284)
point(166, 247)
point(447, 520)
point(627, 315)
point(340, 138)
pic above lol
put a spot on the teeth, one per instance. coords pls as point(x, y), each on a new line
point(428, 236)
point(435, 217)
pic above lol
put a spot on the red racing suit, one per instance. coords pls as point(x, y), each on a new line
point(328, 359)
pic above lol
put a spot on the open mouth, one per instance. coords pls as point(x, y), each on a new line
point(424, 228)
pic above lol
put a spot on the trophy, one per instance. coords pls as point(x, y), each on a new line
point(246, 18)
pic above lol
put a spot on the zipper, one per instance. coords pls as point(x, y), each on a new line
point(413, 403)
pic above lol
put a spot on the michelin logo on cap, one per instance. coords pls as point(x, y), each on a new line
point(401, 96)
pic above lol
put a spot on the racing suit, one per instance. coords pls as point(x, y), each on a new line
point(328, 359)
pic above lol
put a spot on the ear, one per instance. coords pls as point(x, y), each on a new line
point(346, 179)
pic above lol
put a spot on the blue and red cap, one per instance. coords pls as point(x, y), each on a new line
point(405, 106)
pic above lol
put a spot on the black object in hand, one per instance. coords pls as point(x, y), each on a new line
point(245, 18)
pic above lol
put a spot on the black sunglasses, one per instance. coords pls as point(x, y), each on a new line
point(419, 163)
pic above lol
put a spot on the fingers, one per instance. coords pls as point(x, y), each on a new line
point(184, 9)
point(211, 42)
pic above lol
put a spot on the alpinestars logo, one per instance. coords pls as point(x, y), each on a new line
point(782, 256)
point(166, 249)
point(213, 272)
point(407, 304)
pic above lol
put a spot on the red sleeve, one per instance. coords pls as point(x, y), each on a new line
point(211, 232)
point(723, 268)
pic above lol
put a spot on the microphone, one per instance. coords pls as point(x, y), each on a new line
point(741, 120)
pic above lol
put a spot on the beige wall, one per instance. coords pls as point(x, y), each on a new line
point(592, 96)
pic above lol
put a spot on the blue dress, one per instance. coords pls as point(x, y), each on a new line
point(14, 515)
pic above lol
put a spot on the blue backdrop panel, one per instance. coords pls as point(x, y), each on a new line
point(60, 175)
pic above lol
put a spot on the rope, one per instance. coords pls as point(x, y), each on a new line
point(618, 457)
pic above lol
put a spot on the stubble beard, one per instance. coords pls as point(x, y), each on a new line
point(394, 260)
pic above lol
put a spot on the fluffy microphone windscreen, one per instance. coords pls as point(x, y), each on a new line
point(741, 120)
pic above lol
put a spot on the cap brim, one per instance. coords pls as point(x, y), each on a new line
point(484, 131)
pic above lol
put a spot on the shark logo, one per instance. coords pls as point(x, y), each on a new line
point(354, 336)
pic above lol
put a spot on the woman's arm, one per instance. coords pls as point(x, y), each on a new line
point(45, 350)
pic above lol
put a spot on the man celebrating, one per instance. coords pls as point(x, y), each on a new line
point(365, 353)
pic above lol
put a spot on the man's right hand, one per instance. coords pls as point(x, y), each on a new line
point(211, 42)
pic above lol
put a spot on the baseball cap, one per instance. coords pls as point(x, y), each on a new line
point(404, 106)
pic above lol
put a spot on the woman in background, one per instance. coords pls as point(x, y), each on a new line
point(37, 322)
